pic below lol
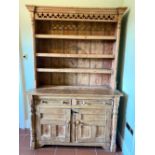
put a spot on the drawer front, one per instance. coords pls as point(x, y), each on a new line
point(54, 102)
point(92, 103)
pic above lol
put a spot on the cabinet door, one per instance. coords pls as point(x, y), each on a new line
point(92, 125)
point(53, 124)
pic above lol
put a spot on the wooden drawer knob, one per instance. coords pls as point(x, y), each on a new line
point(80, 103)
point(65, 102)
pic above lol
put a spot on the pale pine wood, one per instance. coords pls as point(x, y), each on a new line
point(114, 124)
point(75, 70)
point(43, 101)
point(48, 36)
point(73, 91)
point(34, 47)
point(54, 124)
point(76, 14)
point(88, 121)
point(96, 79)
point(73, 28)
point(116, 48)
point(33, 123)
point(98, 56)
point(83, 79)
point(75, 63)
point(70, 78)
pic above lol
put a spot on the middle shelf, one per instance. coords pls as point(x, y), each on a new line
point(75, 70)
point(61, 55)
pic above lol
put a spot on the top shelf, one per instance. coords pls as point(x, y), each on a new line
point(61, 55)
point(83, 37)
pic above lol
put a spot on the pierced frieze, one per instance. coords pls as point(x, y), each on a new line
point(75, 16)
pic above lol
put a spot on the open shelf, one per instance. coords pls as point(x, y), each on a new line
point(83, 37)
point(58, 55)
point(75, 53)
point(75, 70)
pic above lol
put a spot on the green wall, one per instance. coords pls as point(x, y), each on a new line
point(126, 80)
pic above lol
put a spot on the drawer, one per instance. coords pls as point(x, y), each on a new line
point(54, 102)
point(92, 103)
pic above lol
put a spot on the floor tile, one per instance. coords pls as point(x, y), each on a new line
point(21, 140)
point(102, 152)
point(21, 132)
point(26, 141)
point(26, 152)
point(66, 147)
point(85, 151)
point(24, 132)
point(44, 152)
point(65, 151)
point(47, 148)
point(118, 153)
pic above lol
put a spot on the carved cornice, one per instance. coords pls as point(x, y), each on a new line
point(31, 8)
point(76, 14)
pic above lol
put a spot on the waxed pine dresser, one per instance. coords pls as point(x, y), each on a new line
point(75, 100)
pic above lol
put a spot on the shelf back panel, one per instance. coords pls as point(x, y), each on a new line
point(75, 28)
point(73, 79)
point(74, 63)
point(74, 46)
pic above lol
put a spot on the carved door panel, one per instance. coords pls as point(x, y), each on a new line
point(92, 125)
point(53, 124)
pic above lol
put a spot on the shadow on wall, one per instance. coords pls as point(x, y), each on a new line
point(124, 99)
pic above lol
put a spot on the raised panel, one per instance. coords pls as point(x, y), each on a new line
point(46, 131)
point(60, 131)
point(53, 124)
point(92, 125)
point(91, 134)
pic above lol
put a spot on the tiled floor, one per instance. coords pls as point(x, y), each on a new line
point(24, 149)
